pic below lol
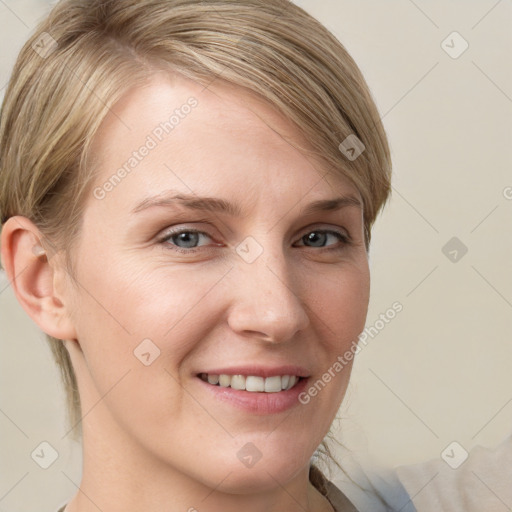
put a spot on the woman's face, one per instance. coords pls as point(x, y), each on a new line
point(219, 250)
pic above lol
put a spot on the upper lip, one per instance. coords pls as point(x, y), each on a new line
point(260, 371)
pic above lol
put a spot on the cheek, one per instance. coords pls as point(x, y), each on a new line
point(339, 305)
point(136, 331)
point(139, 301)
point(133, 314)
point(340, 302)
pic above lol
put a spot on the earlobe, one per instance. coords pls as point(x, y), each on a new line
point(37, 280)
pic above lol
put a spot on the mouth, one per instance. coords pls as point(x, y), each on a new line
point(252, 383)
point(255, 389)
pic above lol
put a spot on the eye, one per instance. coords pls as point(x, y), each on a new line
point(187, 239)
point(324, 238)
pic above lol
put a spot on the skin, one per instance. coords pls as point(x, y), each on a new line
point(153, 440)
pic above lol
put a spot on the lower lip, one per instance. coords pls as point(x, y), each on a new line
point(257, 402)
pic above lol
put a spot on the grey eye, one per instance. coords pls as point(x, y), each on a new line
point(315, 239)
point(187, 239)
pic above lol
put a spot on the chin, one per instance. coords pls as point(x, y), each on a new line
point(258, 480)
point(256, 473)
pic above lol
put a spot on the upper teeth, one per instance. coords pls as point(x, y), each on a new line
point(252, 382)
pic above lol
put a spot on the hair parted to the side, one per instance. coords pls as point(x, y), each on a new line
point(96, 50)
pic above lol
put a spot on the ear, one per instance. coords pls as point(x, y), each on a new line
point(40, 282)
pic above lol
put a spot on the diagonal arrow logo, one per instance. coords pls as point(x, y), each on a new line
point(249, 455)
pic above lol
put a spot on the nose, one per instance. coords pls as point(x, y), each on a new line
point(265, 301)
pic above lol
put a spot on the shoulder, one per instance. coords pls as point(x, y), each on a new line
point(459, 480)
point(377, 489)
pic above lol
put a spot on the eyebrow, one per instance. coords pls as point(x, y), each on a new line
point(191, 201)
point(214, 204)
point(337, 203)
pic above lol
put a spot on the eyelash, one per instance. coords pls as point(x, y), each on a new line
point(343, 238)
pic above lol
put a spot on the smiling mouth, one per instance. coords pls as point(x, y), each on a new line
point(252, 383)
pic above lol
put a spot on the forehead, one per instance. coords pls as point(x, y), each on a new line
point(221, 140)
point(166, 99)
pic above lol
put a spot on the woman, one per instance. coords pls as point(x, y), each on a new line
point(187, 190)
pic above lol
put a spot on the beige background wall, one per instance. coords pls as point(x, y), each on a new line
point(440, 370)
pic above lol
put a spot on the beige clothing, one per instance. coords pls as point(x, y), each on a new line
point(481, 483)
point(336, 498)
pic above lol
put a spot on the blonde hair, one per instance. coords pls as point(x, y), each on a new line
point(85, 56)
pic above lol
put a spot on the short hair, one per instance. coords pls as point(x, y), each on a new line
point(86, 54)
